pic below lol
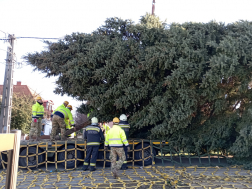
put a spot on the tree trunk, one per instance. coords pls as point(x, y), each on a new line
point(77, 128)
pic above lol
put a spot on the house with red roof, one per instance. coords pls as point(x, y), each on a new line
point(27, 91)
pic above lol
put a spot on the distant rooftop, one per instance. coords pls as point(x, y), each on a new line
point(20, 89)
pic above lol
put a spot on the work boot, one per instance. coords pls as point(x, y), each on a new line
point(92, 169)
point(84, 168)
point(115, 174)
point(124, 168)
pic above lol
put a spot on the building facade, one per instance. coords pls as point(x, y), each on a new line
point(27, 91)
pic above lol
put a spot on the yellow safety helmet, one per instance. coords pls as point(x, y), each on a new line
point(38, 98)
point(66, 102)
point(69, 107)
point(116, 120)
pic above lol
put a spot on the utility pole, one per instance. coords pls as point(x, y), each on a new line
point(5, 118)
point(153, 7)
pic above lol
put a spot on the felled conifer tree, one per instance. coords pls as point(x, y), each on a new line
point(186, 83)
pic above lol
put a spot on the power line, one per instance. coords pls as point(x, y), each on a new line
point(6, 51)
point(36, 38)
point(5, 35)
point(31, 38)
point(3, 50)
point(3, 31)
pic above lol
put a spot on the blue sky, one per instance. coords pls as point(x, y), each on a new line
point(56, 18)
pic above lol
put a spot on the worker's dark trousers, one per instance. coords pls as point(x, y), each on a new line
point(91, 150)
point(125, 161)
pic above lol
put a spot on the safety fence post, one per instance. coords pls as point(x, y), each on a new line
point(56, 155)
point(75, 152)
point(190, 163)
point(218, 155)
point(179, 153)
point(104, 156)
point(27, 155)
point(208, 156)
point(37, 155)
point(46, 158)
point(171, 156)
point(199, 157)
point(13, 157)
point(85, 150)
point(152, 155)
point(161, 150)
point(133, 154)
point(142, 153)
point(65, 155)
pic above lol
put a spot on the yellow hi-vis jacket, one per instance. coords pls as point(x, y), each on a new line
point(61, 106)
point(106, 128)
point(66, 112)
point(116, 137)
point(68, 126)
point(37, 110)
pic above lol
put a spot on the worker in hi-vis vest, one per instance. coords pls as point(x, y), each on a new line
point(37, 116)
point(58, 121)
point(67, 121)
point(116, 139)
point(106, 128)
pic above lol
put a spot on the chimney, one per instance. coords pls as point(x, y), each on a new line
point(18, 83)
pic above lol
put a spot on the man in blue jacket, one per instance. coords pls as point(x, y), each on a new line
point(93, 134)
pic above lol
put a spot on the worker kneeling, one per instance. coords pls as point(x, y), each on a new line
point(93, 134)
point(116, 138)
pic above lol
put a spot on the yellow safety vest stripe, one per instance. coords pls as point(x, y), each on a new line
point(92, 129)
point(67, 114)
point(37, 110)
point(93, 143)
point(124, 126)
point(116, 137)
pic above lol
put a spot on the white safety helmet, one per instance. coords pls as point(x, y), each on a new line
point(94, 120)
point(123, 117)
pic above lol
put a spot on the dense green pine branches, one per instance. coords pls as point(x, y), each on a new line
point(186, 83)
